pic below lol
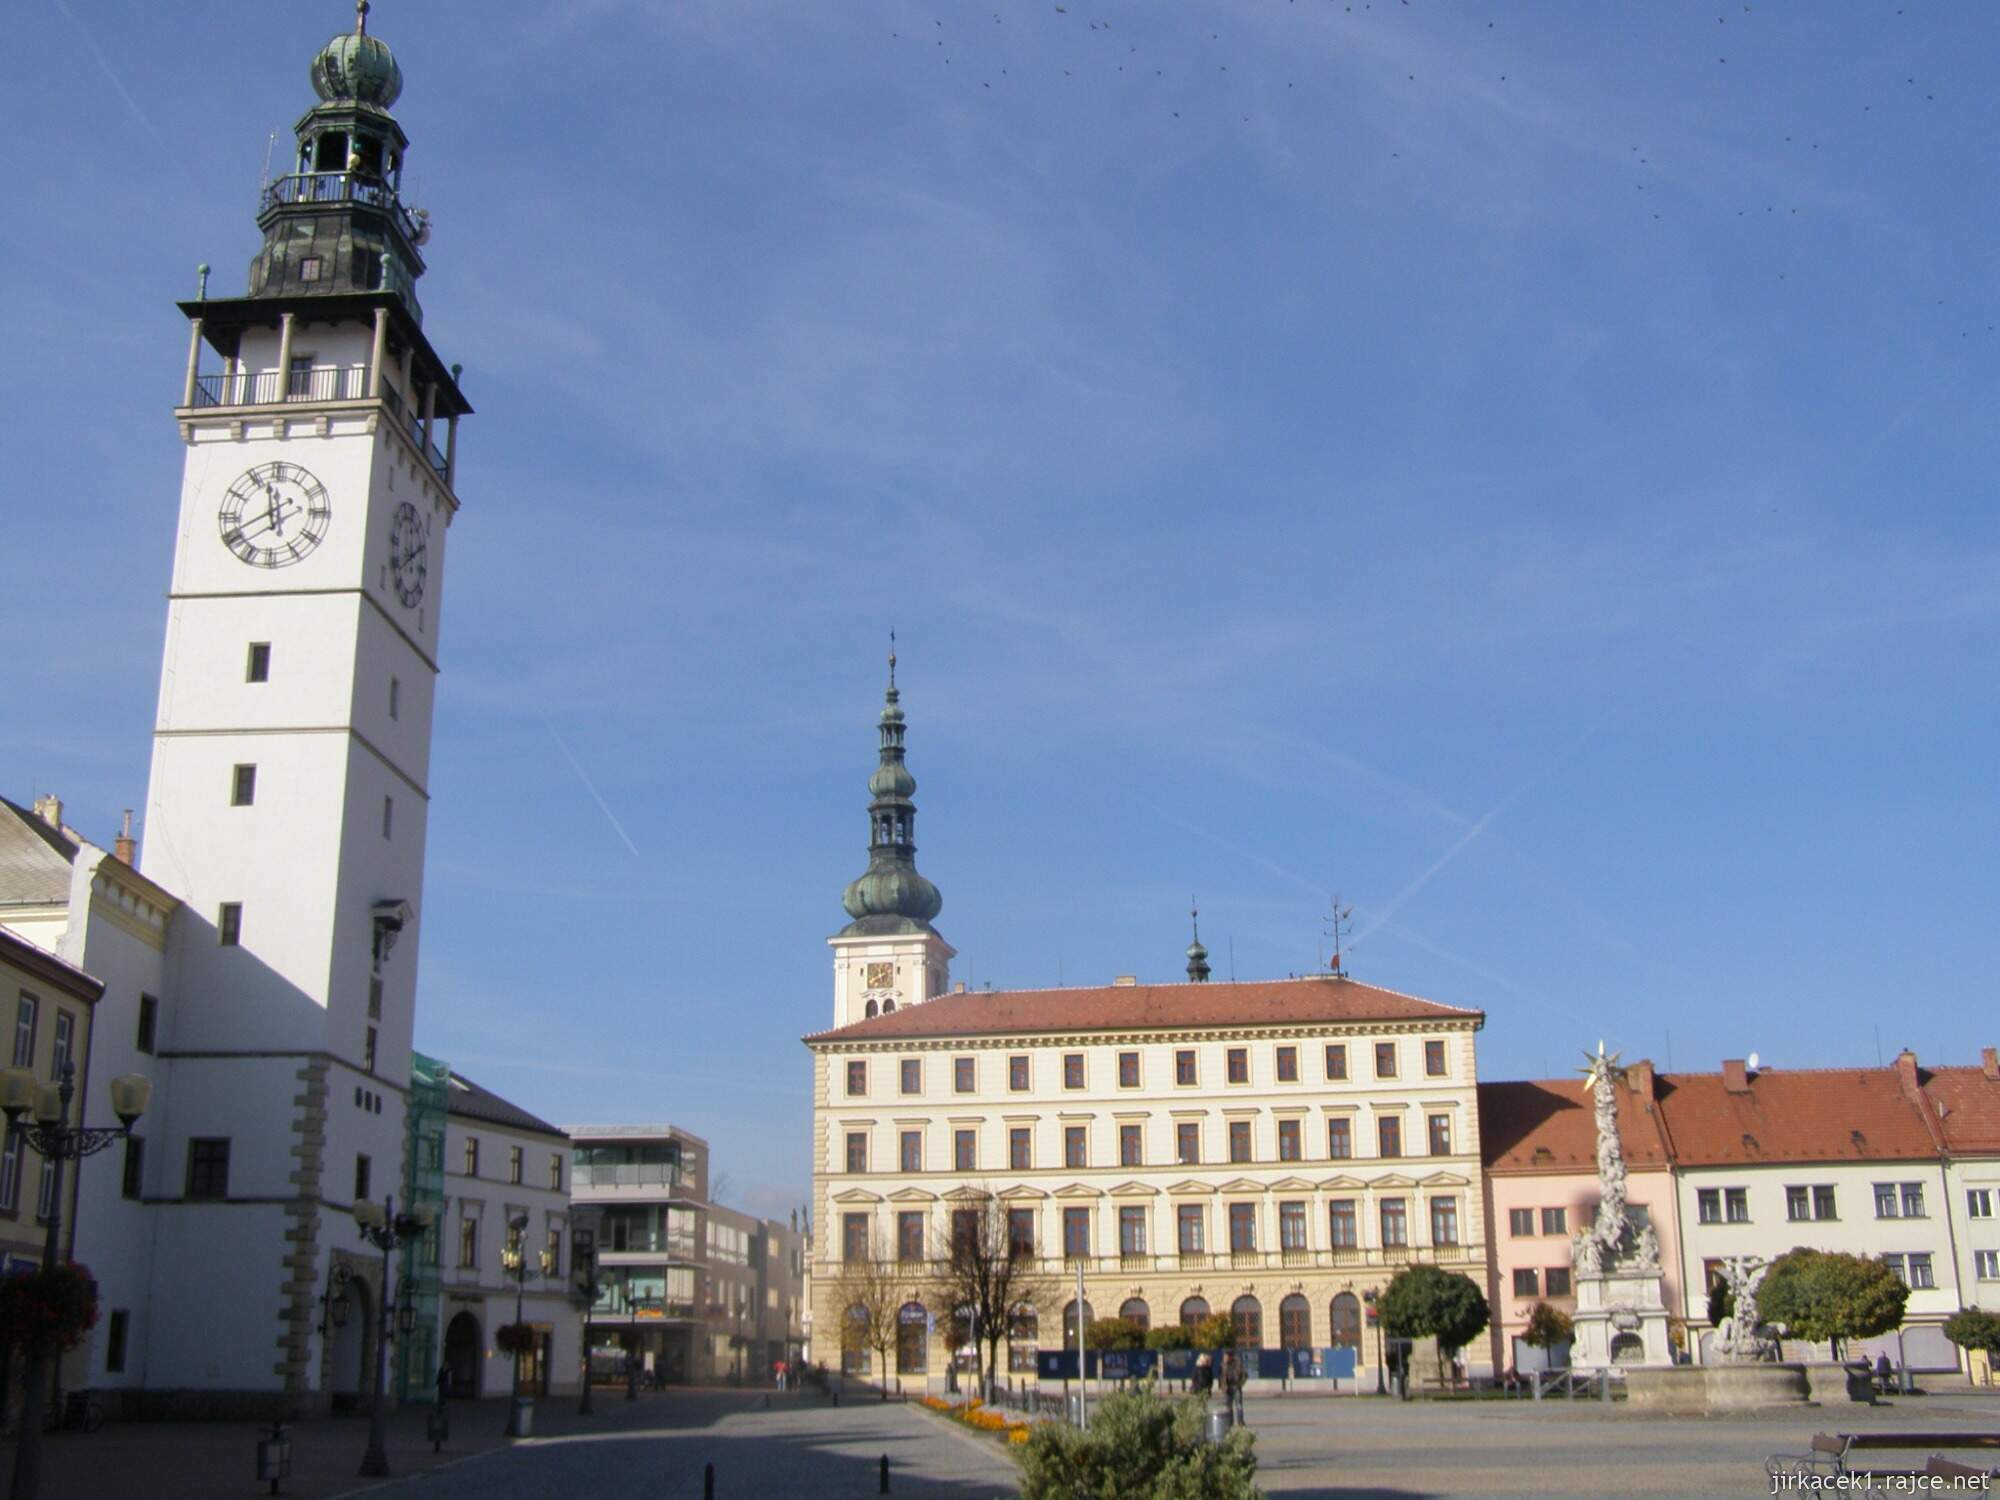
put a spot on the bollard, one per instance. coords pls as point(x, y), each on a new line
point(884, 1488)
point(767, 1401)
point(708, 1482)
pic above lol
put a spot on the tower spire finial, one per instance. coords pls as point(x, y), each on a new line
point(1197, 955)
point(892, 659)
point(361, 17)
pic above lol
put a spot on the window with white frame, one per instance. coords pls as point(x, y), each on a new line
point(1979, 1203)
point(1986, 1264)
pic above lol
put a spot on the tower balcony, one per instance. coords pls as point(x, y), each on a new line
point(252, 389)
point(315, 188)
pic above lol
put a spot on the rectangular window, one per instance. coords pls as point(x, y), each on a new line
point(964, 1231)
point(1187, 1143)
point(149, 1024)
point(258, 667)
point(1389, 1131)
point(134, 1186)
point(962, 1075)
point(1292, 1226)
point(1798, 1204)
point(363, 1169)
point(1520, 1222)
point(1336, 1062)
point(229, 924)
point(1239, 1140)
point(1444, 1221)
point(964, 1150)
point(45, 1194)
point(854, 1237)
point(1986, 1264)
point(1339, 1139)
point(1289, 1147)
point(24, 1031)
point(1131, 1231)
point(1440, 1126)
point(1342, 1224)
point(468, 1243)
point(1072, 1070)
point(60, 1054)
point(1021, 1231)
point(910, 1075)
point(910, 1236)
point(1385, 1059)
point(552, 1255)
point(857, 1080)
point(1076, 1233)
point(1708, 1205)
point(1557, 1281)
point(1433, 1059)
point(1979, 1203)
point(1184, 1066)
point(1527, 1281)
point(1238, 1061)
point(208, 1167)
point(388, 816)
point(1288, 1065)
point(1074, 1146)
point(114, 1341)
point(472, 1156)
point(1242, 1227)
point(1913, 1200)
point(555, 1171)
point(1019, 1152)
point(1885, 1200)
point(1017, 1074)
point(1555, 1221)
point(1395, 1222)
point(1736, 1205)
point(1128, 1145)
point(374, 997)
point(368, 1041)
point(1920, 1270)
point(514, 1163)
point(857, 1151)
point(910, 1150)
point(1128, 1070)
point(10, 1170)
point(1187, 1229)
point(243, 786)
point(395, 697)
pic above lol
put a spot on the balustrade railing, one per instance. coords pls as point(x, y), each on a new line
point(343, 187)
point(318, 383)
point(1356, 1258)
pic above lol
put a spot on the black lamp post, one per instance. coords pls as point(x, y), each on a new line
point(385, 1229)
point(56, 1141)
point(1381, 1341)
point(583, 1266)
point(515, 1261)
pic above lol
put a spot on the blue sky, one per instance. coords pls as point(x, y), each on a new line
point(1527, 468)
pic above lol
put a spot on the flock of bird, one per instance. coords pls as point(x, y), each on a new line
point(1173, 65)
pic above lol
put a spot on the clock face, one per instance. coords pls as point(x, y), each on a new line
point(409, 542)
point(274, 515)
point(881, 976)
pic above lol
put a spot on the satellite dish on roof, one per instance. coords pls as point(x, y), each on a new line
point(1755, 1062)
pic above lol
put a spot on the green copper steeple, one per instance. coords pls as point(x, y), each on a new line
point(891, 896)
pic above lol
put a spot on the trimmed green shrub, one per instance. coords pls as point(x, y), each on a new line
point(1140, 1446)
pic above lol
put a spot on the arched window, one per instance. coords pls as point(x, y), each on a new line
point(1346, 1320)
point(913, 1339)
point(1193, 1311)
point(1069, 1321)
point(1135, 1310)
point(1295, 1323)
point(888, 1006)
point(871, 1008)
point(1247, 1313)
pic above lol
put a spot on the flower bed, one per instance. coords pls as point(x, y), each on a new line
point(980, 1417)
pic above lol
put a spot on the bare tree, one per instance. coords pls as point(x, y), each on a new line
point(870, 1292)
point(984, 1283)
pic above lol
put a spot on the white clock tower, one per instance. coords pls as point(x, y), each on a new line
point(291, 758)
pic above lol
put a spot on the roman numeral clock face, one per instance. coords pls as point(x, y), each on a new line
point(274, 515)
point(409, 565)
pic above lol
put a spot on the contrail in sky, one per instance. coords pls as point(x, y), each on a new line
point(589, 785)
point(116, 83)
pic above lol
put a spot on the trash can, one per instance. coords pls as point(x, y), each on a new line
point(524, 1417)
point(1219, 1423)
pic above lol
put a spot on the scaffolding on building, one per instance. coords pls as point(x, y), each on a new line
point(417, 1351)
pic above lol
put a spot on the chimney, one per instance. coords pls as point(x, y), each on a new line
point(1906, 1070)
point(959, 988)
point(1735, 1075)
point(1989, 1063)
point(49, 810)
point(1640, 1077)
point(126, 850)
point(1125, 981)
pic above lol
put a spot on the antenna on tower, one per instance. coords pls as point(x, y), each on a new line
point(265, 186)
point(1338, 925)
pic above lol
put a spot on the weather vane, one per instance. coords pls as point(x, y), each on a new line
point(1337, 927)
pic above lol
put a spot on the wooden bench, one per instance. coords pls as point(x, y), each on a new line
point(1827, 1454)
point(1830, 1454)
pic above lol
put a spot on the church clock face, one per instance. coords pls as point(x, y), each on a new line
point(274, 515)
point(408, 560)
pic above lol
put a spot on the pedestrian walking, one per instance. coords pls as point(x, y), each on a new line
point(1233, 1376)
point(1204, 1373)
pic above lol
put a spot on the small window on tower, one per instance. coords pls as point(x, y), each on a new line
point(368, 1051)
point(243, 786)
point(374, 997)
point(259, 667)
point(229, 923)
point(309, 268)
point(395, 696)
point(388, 816)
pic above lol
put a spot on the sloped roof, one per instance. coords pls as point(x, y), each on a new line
point(1271, 1002)
point(469, 1101)
point(34, 859)
point(1970, 1116)
point(34, 959)
point(1805, 1114)
point(1546, 1125)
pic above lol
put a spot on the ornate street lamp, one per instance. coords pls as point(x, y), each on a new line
point(514, 1259)
point(583, 1267)
point(53, 1138)
point(385, 1229)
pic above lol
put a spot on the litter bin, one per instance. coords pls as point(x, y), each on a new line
point(1219, 1423)
point(524, 1417)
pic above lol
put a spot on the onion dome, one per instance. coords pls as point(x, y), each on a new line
point(1197, 956)
point(890, 893)
point(357, 68)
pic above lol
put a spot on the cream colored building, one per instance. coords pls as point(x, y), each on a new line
point(1274, 1151)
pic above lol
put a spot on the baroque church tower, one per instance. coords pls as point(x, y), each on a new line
point(889, 956)
point(290, 780)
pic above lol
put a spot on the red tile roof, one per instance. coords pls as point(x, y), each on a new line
point(1312, 1000)
point(1784, 1115)
point(1547, 1125)
point(1971, 1108)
